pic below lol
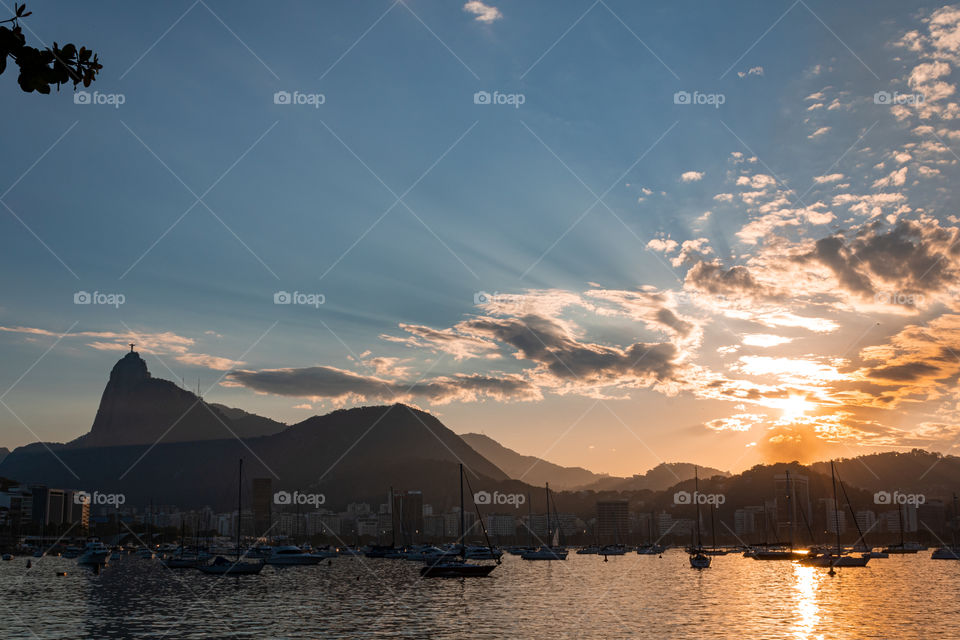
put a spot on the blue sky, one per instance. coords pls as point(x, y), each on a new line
point(497, 199)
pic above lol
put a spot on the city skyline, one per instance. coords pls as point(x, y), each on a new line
point(602, 234)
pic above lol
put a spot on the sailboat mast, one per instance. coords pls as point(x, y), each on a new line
point(790, 507)
point(549, 532)
point(393, 530)
point(529, 521)
point(953, 524)
point(239, 505)
point(836, 511)
point(696, 492)
point(462, 532)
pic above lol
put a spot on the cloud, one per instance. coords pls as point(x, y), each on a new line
point(443, 340)
point(752, 71)
point(819, 132)
point(662, 245)
point(765, 340)
point(691, 176)
point(341, 386)
point(158, 343)
point(832, 177)
point(485, 13)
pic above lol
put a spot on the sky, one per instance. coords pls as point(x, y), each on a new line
point(608, 234)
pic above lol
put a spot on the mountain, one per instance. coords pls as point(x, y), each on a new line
point(137, 408)
point(530, 469)
point(4, 452)
point(537, 471)
point(249, 424)
point(348, 455)
point(916, 471)
point(661, 477)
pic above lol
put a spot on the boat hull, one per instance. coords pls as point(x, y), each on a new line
point(457, 570)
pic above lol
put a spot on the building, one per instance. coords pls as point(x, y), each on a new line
point(792, 492)
point(866, 521)
point(501, 527)
point(368, 525)
point(407, 516)
point(262, 504)
point(932, 517)
point(434, 527)
point(612, 521)
point(748, 521)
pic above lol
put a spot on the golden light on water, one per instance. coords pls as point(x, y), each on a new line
point(807, 579)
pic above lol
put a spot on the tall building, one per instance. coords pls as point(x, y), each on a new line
point(748, 521)
point(867, 522)
point(792, 492)
point(407, 516)
point(932, 517)
point(501, 527)
point(612, 521)
point(262, 505)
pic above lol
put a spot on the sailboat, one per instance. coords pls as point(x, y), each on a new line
point(782, 554)
point(445, 567)
point(180, 560)
point(553, 551)
point(837, 559)
point(902, 547)
point(698, 559)
point(220, 565)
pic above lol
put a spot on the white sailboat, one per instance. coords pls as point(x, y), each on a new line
point(553, 551)
point(698, 559)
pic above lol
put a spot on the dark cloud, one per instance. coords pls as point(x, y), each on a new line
point(712, 278)
point(548, 343)
point(833, 253)
point(339, 384)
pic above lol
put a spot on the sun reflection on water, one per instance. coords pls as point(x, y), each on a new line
point(807, 581)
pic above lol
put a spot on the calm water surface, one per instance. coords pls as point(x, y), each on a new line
point(628, 597)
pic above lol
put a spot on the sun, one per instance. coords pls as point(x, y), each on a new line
point(795, 407)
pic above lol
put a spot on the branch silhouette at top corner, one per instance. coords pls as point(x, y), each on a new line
point(40, 69)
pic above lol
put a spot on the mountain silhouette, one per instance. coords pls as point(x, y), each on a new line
point(137, 408)
point(531, 469)
point(348, 455)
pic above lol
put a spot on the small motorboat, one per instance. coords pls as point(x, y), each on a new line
point(456, 569)
point(545, 553)
point(651, 549)
point(477, 552)
point(7, 557)
point(95, 554)
point(613, 550)
point(290, 555)
point(223, 567)
point(945, 553)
